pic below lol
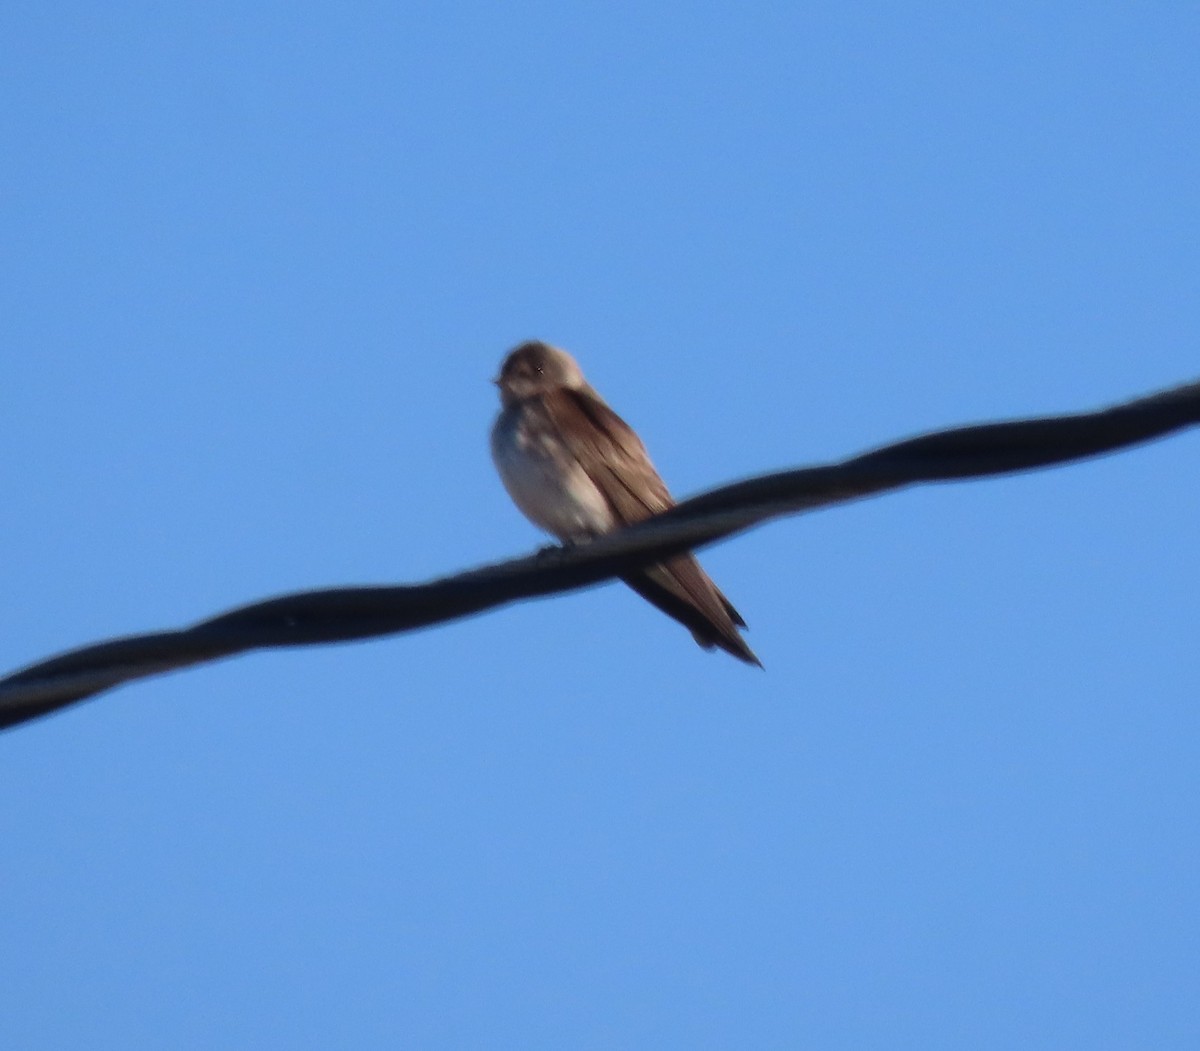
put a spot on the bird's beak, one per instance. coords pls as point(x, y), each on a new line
point(496, 380)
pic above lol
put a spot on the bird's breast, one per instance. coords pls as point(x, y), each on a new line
point(543, 477)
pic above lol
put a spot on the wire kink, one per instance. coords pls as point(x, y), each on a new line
point(343, 614)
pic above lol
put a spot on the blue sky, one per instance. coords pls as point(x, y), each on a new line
point(257, 265)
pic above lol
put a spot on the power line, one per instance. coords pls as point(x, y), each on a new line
point(341, 614)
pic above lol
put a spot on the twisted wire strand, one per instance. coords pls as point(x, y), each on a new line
point(342, 614)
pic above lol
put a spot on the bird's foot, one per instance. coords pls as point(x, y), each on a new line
point(556, 550)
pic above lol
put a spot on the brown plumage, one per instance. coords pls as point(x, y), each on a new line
point(575, 468)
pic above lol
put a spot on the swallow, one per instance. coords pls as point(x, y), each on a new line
point(576, 469)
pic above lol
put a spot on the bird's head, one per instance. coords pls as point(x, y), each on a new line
point(534, 368)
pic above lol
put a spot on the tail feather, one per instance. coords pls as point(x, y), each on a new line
point(683, 591)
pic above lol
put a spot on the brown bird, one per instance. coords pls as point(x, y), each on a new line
point(578, 470)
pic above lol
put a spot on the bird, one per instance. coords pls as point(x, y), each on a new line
point(576, 469)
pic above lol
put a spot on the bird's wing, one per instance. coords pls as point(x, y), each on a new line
point(617, 462)
point(610, 452)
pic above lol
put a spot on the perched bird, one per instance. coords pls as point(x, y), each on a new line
point(576, 469)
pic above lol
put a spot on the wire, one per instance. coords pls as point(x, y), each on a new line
point(341, 614)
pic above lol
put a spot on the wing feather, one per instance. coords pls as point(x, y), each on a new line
point(617, 462)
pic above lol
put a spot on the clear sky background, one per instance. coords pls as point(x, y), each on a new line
point(257, 266)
